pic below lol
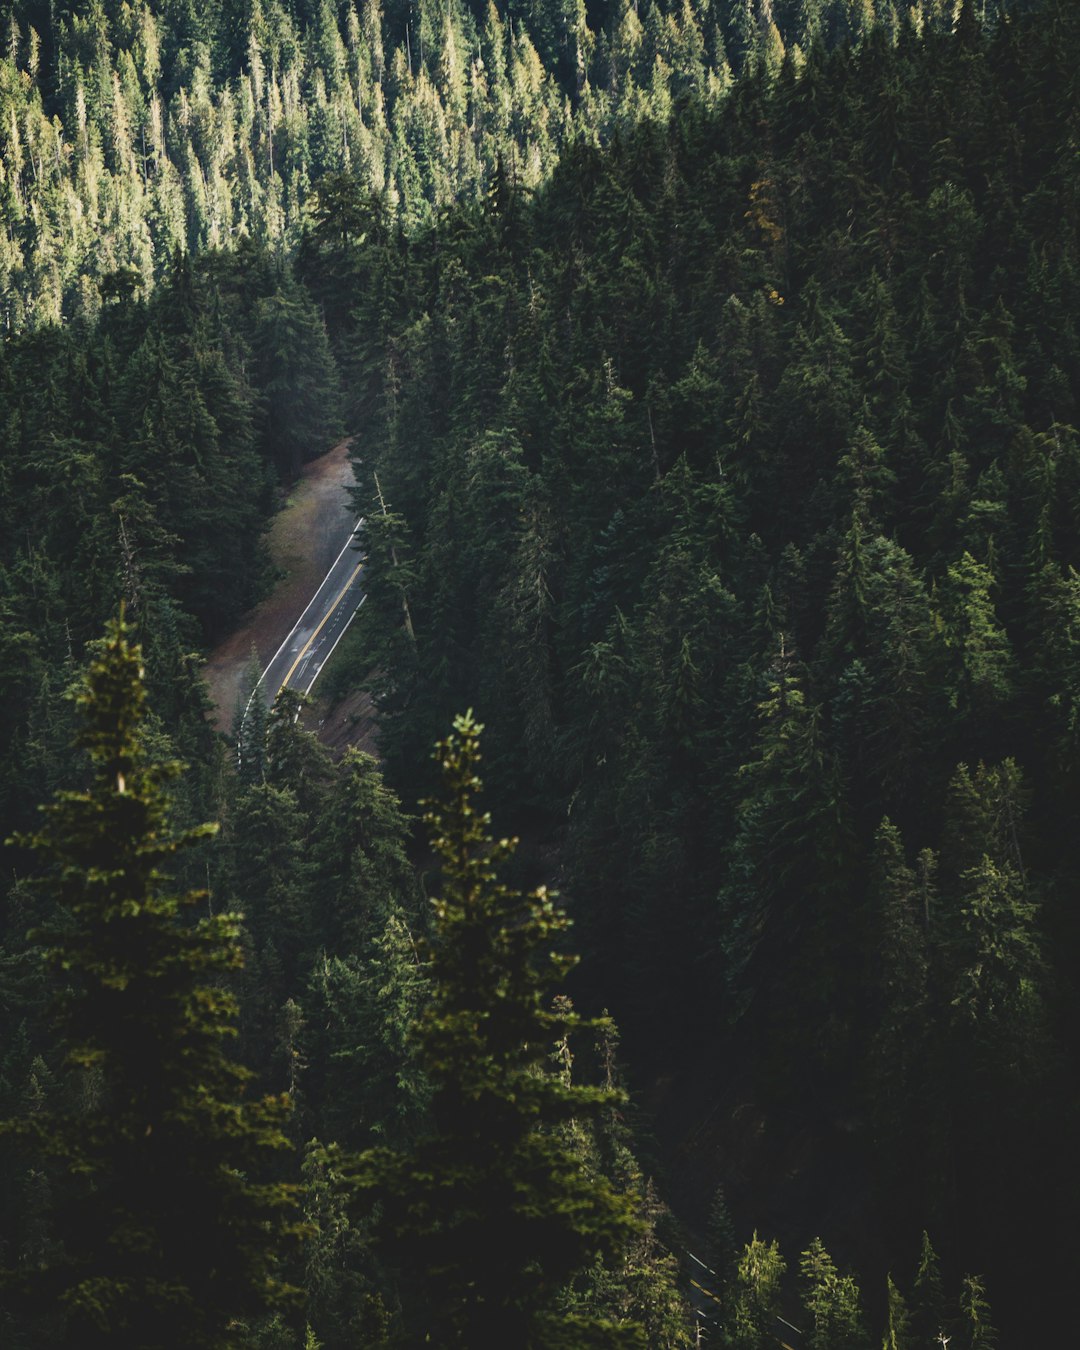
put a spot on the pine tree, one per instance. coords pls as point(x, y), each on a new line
point(362, 1008)
point(977, 1330)
point(898, 1322)
point(784, 901)
point(928, 1308)
point(342, 1303)
point(489, 1215)
point(831, 1301)
point(976, 662)
point(359, 851)
point(298, 378)
point(898, 1046)
point(720, 1235)
point(642, 1285)
point(1000, 966)
point(169, 1227)
point(755, 1295)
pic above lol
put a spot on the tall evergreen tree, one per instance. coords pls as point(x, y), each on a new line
point(755, 1295)
point(489, 1215)
point(976, 1329)
point(169, 1223)
point(831, 1301)
point(929, 1312)
point(897, 1320)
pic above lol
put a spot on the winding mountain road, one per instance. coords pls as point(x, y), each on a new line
point(299, 660)
point(308, 539)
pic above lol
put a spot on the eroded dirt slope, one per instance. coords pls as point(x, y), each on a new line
point(305, 538)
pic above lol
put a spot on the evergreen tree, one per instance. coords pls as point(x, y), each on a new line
point(489, 1214)
point(976, 1329)
point(641, 1284)
point(898, 1322)
point(755, 1295)
point(784, 898)
point(901, 977)
point(831, 1301)
point(170, 1225)
point(249, 724)
point(363, 875)
point(976, 662)
point(343, 1304)
point(720, 1235)
point(362, 1008)
point(929, 1312)
point(301, 413)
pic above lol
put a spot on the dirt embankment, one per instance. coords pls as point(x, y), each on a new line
point(304, 539)
point(345, 722)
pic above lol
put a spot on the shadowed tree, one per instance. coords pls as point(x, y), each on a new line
point(831, 1301)
point(897, 1320)
point(755, 1295)
point(168, 1227)
point(490, 1216)
point(928, 1305)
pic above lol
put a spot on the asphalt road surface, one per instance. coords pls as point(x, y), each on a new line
point(300, 658)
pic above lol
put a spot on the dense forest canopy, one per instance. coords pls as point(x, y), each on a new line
point(719, 366)
point(733, 482)
point(130, 129)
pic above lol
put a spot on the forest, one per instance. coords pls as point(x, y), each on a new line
point(695, 964)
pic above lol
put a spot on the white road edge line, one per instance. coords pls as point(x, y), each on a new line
point(296, 625)
point(330, 653)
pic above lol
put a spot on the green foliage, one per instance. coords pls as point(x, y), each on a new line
point(831, 1303)
point(297, 377)
point(370, 1086)
point(720, 1236)
point(977, 677)
point(130, 132)
point(729, 476)
point(902, 1059)
point(755, 1295)
point(928, 1307)
point(168, 1223)
point(999, 959)
point(637, 1286)
point(977, 1331)
point(342, 1301)
point(489, 1216)
point(711, 369)
point(898, 1324)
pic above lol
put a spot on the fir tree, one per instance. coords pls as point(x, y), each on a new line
point(897, 1321)
point(831, 1301)
point(755, 1295)
point(928, 1308)
point(170, 1228)
point(489, 1216)
point(720, 1235)
point(977, 1330)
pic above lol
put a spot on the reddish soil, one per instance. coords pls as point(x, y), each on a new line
point(304, 539)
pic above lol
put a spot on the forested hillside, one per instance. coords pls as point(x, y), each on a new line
point(718, 365)
point(131, 128)
point(733, 482)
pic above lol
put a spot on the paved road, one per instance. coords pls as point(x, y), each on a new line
point(300, 658)
point(708, 1309)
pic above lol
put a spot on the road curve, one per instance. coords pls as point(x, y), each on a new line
point(301, 657)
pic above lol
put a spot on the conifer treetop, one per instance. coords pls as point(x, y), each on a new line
point(170, 1228)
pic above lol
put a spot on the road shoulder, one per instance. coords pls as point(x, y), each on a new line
point(304, 539)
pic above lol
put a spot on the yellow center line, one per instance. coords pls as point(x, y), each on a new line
point(332, 610)
point(707, 1292)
